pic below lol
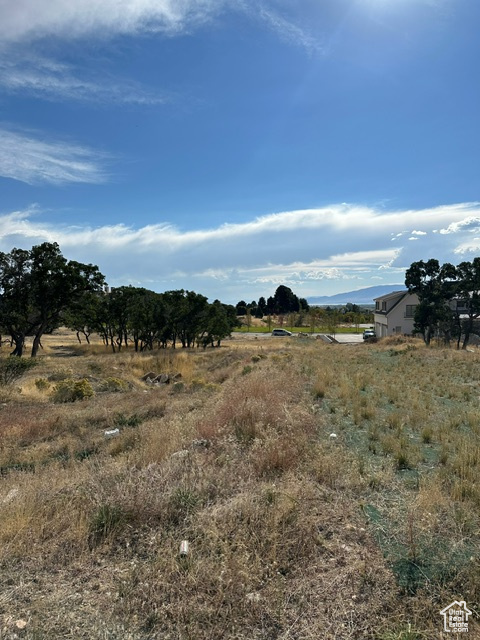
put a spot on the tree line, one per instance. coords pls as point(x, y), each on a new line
point(283, 301)
point(41, 290)
point(449, 299)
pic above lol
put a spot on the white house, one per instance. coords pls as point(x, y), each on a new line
point(394, 313)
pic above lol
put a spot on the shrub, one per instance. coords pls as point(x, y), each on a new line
point(13, 368)
point(114, 385)
point(70, 390)
point(122, 420)
point(42, 384)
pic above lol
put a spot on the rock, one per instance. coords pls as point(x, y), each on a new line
point(150, 375)
point(333, 436)
point(183, 453)
point(200, 443)
point(163, 378)
point(111, 433)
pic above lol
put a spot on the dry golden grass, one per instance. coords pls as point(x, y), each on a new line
point(325, 493)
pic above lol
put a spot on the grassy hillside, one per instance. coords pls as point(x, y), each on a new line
point(325, 491)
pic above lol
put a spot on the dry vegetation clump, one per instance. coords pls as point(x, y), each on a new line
point(324, 493)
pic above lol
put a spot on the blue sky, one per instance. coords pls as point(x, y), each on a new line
point(229, 146)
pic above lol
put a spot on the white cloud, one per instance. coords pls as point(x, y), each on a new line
point(419, 233)
point(472, 224)
point(470, 246)
point(311, 250)
point(288, 30)
point(35, 19)
point(27, 158)
point(44, 78)
point(30, 19)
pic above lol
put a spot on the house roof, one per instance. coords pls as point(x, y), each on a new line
point(400, 295)
point(392, 294)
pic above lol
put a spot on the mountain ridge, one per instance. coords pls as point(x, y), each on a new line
point(360, 296)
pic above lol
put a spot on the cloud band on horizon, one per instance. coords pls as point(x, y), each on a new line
point(305, 247)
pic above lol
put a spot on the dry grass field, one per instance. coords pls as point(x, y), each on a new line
point(325, 491)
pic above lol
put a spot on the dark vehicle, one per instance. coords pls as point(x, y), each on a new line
point(281, 332)
point(369, 333)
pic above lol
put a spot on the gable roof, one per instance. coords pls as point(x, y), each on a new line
point(392, 294)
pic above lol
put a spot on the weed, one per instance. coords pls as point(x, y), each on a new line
point(13, 368)
point(71, 390)
point(42, 384)
point(319, 389)
point(427, 435)
point(106, 521)
point(113, 385)
point(181, 504)
point(121, 420)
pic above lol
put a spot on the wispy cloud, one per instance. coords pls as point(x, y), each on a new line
point(316, 250)
point(24, 156)
point(35, 19)
point(64, 18)
point(43, 78)
point(288, 30)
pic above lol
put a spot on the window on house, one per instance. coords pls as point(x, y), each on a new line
point(410, 310)
point(377, 306)
point(384, 305)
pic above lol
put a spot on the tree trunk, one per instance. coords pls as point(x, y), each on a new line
point(19, 344)
point(427, 335)
point(467, 329)
point(36, 343)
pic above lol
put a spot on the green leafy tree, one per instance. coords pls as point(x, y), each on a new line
point(316, 315)
point(435, 286)
point(36, 287)
point(146, 318)
point(261, 309)
point(467, 291)
point(82, 315)
point(241, 308)
point(184, 313)
point(285, 301)
point(218, 322)
point(303, 305)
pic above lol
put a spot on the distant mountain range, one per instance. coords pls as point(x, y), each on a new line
point(361, 296)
